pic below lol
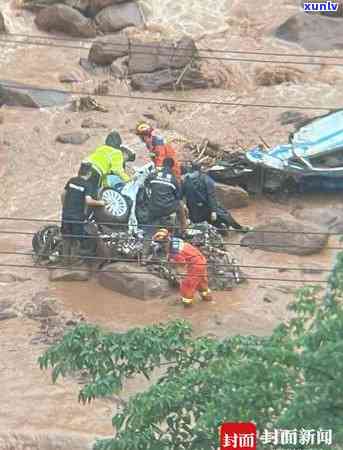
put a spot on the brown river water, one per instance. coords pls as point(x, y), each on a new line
point(45, 415)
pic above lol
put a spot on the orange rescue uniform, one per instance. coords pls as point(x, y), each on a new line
point(195, 263)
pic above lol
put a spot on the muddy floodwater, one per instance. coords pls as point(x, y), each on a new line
point(34, 169)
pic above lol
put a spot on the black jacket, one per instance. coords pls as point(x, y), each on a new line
point(200, 192)
point(165, 194)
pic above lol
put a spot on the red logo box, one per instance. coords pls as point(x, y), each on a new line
point(239, 436)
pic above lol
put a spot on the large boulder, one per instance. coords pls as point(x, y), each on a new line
point(3, 28)
point(231, 197)
point(313, 32)
point(117, 17)
point(62, 18)
point(286, 236)
point(165, 54)
point(18, 94)
point(106, 49)
point(331, 219)
point(134, 281)
point(95, 6)
point(168, 80)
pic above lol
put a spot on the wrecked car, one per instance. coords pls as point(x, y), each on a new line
point(311, 160)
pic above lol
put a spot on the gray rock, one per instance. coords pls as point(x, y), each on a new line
point(76, 138)
point(106, 49)
point(231, 196)
point(312, 32)
point(7, 315)
point(90, 8)
point(3, 28)
point(293, 117)
point(62, 18)
point(91, 123)
point(18, 94)
point(117, 17)
point(168, 80)
point(288, 236)
point(330, 219)
point(72, 274)
point(125, 280)
point(150, 56)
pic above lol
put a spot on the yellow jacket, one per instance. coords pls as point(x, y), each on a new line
point(108, 160)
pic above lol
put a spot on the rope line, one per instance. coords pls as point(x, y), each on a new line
point(186, 49)
point(175, 53)
point(14, 85)
point(118, 225)
point(80, 269)
point(102, 258)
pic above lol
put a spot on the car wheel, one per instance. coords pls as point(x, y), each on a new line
point(117, 207)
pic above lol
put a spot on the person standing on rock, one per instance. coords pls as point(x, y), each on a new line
point(187, 259)
point(77, 196)
point(199, 191)
point(159, 149)
point(108, 162)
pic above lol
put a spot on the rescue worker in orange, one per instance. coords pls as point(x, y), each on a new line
point(191, 262)
point(159, 149)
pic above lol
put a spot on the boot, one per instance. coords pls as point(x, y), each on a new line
point(187, 301)
point(206, 296)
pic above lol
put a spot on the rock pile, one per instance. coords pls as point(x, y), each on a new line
point(85, 18)
point(312, 31)
point(150, 65)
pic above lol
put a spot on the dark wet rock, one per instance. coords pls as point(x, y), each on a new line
point(312, 31)
point(7, 315)
point(18, 94)
point(3, 28)
point(330, 219)
point(11, 278)
point(125, 280)
point(150, 56)
point(117, 17)
point(92, 123)
point(71, 274)
point(95, 6)
point(338, 13)
point(168, 80)
point(231, 196)
point(76, 138)
point(106, 49)
point(293, 117)
point(288, 236)
point(62, 18)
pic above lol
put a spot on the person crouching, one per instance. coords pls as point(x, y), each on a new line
point(191, 262)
